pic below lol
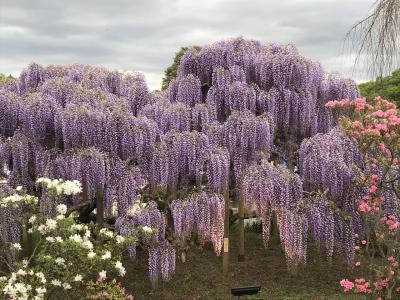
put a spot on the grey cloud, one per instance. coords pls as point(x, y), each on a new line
point(144, 35)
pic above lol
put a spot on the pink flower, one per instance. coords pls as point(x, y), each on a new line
point(346, 284)
point(394, 120)
point(361, 288)
point(381, 127)
point(357, 264)
point(373, 188)
point(364, 242)
point(364, 207)
point(374, 177)
point(378, 114)
point(357, 248)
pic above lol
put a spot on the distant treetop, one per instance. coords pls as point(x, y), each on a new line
point(5, 79)
point(387, 87)
point(172, 71)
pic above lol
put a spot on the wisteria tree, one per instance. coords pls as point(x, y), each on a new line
point(242, 123)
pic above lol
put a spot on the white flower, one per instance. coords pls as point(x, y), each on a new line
point(147, 229)
point(41, 276)
point(59, 189)
point(106, 232)
point(62, 209)
point(30, 230)
point(32, 219)
point(102, 275)
point(56, 282)
point(91, 254)
point(60, 217)
point(120, 239)
point(106, 255)
point(40, 290)
point(42, 180)
point(78, 277)
point(25, 263)
point(50, 239)
point(21, 288)
point(42, 228)
point(60, 186)
point(95, 211)
point(20, 272)
point(118, 264)
point(77, 227)
point(66, 286)
point(59, 239)
point(18, 188)
point(16, 246)
point(60, 261)
point(76, 238)
point(51, 224)
point(120, 268)
point(87, 244)
point(72, 187)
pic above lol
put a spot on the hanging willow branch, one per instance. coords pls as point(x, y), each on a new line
point(377, 37)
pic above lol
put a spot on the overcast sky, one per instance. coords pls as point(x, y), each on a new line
point(144, 35)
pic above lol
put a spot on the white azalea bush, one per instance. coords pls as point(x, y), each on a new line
point(68, 260)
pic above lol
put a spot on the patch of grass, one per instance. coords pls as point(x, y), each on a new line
point(200, 277)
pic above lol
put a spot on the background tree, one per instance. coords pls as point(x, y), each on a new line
point(377, 37)
point(172, 71)
point(5, 79)
point(387, 87)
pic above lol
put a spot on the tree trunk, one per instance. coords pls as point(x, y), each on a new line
point(225, 261)
point(241, 225)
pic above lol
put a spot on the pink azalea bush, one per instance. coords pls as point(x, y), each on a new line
point(375, 127)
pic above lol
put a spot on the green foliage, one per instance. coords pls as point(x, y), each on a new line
point(5, 79)
point(172, 71)
point(254, 226)
point(387, 87)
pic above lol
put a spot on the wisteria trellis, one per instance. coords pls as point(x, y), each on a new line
point(233, 106)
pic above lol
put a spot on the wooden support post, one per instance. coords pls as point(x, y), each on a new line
point(225, 261)
point(99, 208)
point(241, 225)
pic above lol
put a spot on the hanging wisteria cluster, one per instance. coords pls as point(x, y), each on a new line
point(331, 233)
point(234, 105)
point(272, 189)
point(244, 135)
point(202, 213)
point(329, 162)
